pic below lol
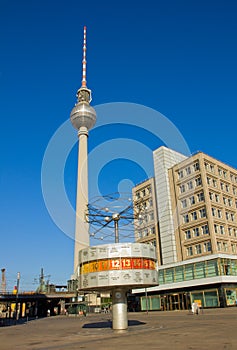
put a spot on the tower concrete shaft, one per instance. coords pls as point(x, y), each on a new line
point(81, 226)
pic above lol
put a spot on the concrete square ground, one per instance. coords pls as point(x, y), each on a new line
point(212, 329)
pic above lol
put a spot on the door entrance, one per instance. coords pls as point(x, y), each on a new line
point(175, 301)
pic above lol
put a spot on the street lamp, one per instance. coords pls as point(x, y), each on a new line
point(17, 292)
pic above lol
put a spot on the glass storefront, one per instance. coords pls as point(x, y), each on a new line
point(181, 300)
point(169, 302)
point(151, 302)
point(207, 298)
point(211, 299)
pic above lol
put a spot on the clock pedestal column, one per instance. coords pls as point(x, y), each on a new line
point(119, 309)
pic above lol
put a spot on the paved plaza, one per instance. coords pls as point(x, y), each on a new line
point(212, 329)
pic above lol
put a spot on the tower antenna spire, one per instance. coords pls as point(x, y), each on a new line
point(84, 94)
point(83, 82)
point(83, 118)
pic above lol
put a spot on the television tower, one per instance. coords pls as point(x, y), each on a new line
point(83, 118)
point(3, 282)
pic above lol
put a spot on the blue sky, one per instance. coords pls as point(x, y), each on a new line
point(176, 57)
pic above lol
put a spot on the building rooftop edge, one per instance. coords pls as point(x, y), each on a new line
point(143, 181)
point(194, 154)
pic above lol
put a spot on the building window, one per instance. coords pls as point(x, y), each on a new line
point(230, 231)
point(188, 234)
point(198, 249)
point(208, 180)
point(182, 188)
point(205, 230)
point(233, 248)
point(214, 183)
point(219, 213)
point(194, 215)
point(219, 246)
point(198, 181)
point(212, 168)
point(152, 230)
point(222, 186)
point(213, 210)
point(184, 203)
point(217, 197)
point(151, 216)
point(227, 188)
point(181, 174)
point(216, 228)
point(222, 229)
point(230, 216)
point(225, 247)
point(188, 170)
point(192, 200)
point(234, 190)
point(189, 251)
point(190, 185)
point(211, 196)
point(202, 213)
point(196, 166)
point(207, 246)
point(200, 197)
point(185, 218)
point(196, 232)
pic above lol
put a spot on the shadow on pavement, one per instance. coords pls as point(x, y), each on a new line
point(108, 324)
point(5, 322)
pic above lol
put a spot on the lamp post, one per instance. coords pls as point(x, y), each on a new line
point(17, 292)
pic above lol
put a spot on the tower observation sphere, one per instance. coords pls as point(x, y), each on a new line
point(83, 115)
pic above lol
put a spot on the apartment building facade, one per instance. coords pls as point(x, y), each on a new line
point(204, 198)
point(145, 211)
point(196, 200)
